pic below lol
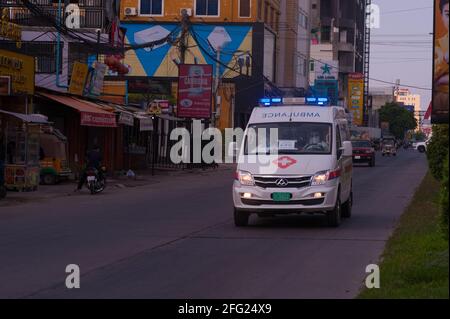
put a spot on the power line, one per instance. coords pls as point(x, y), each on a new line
point(406, 10)
point(402, 85)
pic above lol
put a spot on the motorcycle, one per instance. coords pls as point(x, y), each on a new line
point(96, 180)
point(388, 150)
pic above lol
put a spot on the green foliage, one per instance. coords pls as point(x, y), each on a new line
point(415, 259)
point(400, 119)
point(437, 150)
point(443, 203)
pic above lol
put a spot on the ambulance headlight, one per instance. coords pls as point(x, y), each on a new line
point(245, 178)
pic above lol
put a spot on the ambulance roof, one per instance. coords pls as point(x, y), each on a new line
point(297, 113)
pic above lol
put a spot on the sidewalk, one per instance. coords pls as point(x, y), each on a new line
point(142, 178)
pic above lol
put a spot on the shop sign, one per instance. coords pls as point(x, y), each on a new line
point(10, 30)
point(145, 124)
point(194, 91)
point(126, 118)
point(78, 78)
point(100, 120)
point(20, 68)
point(96, 81)
point(356, 97)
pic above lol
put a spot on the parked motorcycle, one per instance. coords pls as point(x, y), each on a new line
point(96, 180)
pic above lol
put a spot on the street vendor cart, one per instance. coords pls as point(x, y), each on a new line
point(21, 141)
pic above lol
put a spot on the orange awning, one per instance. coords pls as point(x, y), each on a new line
point(91, 115)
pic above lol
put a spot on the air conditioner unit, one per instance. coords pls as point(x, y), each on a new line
point(187, 10)
point(130, 11)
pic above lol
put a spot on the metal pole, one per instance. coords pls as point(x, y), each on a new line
point(216, 89)
point(58, 50)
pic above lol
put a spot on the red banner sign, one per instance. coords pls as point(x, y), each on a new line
point(98, 119)
point(194, 90)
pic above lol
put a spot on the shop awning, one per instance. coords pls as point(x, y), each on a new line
point(91, 115)
point(28, 118)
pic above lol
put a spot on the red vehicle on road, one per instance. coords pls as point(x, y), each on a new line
point(363, 152)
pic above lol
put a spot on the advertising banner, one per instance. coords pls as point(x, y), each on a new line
point(194, 91)
point(356, 97)
point(440, 69)
point(20, 68)
point(99, 120)
point(78, 78)
point(96, 83)
point(160, 60)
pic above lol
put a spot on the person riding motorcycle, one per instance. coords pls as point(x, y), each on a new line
point(93, 160)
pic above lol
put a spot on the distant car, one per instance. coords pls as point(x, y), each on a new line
point(363, 152)
point(421, 146)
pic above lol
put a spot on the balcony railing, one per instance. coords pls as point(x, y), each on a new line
point(89, 17)
point(80, 3)
point(18, 3)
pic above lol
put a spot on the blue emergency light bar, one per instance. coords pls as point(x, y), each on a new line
point(321, 101)
point(271, 101)
point(265, 101)
point(277, 100)
point(317, 101)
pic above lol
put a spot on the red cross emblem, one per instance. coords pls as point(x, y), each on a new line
point(284, 162)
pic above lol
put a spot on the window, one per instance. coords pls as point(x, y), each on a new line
point(151, 7)
point(294, 138)
point(207, 7)
point(244, 8)
point(44, 53)
point(325, 35)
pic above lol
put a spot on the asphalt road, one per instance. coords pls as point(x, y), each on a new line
point(176, 239)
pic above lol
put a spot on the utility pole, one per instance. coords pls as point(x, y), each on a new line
point(366, 56)
point(216, 110)
point(184, 34)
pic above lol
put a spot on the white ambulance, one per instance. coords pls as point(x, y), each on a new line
point(295, 158)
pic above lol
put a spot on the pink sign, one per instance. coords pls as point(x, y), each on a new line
point(194, 90)
point(98, 119)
